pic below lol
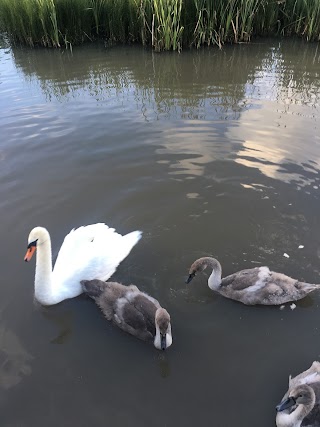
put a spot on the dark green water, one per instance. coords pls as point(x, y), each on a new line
point(208, 152)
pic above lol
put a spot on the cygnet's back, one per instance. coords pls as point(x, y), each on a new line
point(133, 311)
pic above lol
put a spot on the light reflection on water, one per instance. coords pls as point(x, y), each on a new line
point(183, 88)
point(209, 153)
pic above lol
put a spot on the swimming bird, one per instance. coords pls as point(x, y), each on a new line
point(253, 286)
point(132, 311)
point(88, 252)
point(300, 405)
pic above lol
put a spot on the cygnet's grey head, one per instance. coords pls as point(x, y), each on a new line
point(37, 236)
point(200, 265)
point(163, 338)
point(301, 395)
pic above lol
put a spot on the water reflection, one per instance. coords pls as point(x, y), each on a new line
point(193, 144)
point(14, 358)
point(164, 365)
point(62, 321)
point(197, 88)
point(275, 152)
point(196, 85)
point(189, 84)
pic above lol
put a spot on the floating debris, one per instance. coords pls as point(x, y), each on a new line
point(192, 195)
point(286, 255)
point(282, 307)
point(293, 306)
point(300, 247)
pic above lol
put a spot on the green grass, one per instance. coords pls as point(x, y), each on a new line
point(162, 24)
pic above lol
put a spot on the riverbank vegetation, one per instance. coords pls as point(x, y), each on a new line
point(162, 24)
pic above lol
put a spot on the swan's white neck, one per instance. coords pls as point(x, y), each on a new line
point(284, 419)
point(43, 275)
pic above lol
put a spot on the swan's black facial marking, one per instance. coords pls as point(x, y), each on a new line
point(32, 244)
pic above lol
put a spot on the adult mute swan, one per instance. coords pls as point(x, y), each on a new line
point(132, 310)
point(88, 252)
point(300, 406)
point(253, 286)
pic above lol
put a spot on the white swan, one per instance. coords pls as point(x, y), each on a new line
point(88, 252)
point(300, 405)
point(131, 310)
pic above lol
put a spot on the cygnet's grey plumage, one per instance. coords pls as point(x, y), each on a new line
point(300, 406)
point(133, 311)
point(253, 286)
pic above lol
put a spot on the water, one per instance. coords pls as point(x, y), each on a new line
point(208, 153)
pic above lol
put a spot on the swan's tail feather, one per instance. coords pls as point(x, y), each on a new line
point(93, 288)
point(134, 237)
point(129, 241)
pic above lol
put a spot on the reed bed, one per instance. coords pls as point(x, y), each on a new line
point(162, 24)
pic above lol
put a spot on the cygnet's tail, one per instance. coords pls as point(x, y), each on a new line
point(93, 288)
point(311, 286)
point(309, 376)
point(306, 288)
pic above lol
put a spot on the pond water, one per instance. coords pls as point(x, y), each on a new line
point(208, 153)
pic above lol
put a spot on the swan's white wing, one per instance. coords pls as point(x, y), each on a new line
point(90, 252)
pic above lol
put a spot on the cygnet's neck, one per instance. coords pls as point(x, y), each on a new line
point(214, 280)
point(43, 275)
point(295, 418)
point(157, 338)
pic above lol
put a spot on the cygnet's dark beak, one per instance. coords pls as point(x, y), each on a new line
point(163, 341)
point(190, 277)
point(285, 404)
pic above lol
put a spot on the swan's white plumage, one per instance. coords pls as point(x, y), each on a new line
point(88, 252)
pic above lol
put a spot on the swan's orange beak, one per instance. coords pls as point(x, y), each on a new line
point(31, 250)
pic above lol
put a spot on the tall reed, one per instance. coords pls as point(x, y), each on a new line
point(301, 17)
point(163, 24)
point(30, 21)
point(166, 24)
